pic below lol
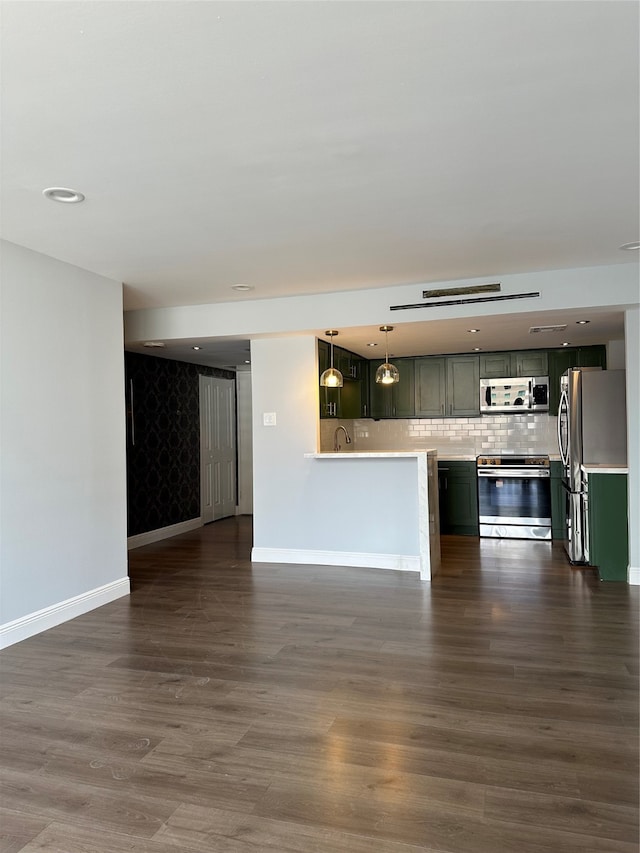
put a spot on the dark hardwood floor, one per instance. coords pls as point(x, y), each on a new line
point(232, 708)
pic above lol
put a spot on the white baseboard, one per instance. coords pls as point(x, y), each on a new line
point(395, 562)
point(163, 533)
point(634, 575)
point(56, 614)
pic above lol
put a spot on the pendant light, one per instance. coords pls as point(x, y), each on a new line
point(331, 378)
point(387, 374)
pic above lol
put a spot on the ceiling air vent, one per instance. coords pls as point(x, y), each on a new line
point(534, 330)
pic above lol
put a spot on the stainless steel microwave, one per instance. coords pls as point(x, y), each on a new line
point(515, 394)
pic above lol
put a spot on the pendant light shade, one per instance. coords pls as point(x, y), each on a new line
point(331, 378)
point(387, 374)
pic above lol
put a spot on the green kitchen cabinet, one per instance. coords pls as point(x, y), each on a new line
point(532, 362)
point(430, 387)
point(505, 364)
point(595, 356)
point(349, 364)
point(495, 365)
point(458, 498)
point(393, 401)
point(608, 525)
point(558, 501)
point(447, 386)
point(463, 386)
point(329, 397)
point(351, 400)
point(562, 359)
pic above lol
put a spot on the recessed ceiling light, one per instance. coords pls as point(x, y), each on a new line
point(63, 194)
point(631, 247)
point(477, 349)
point(195, 348)
point(566, 343)
point(372, 345)
point(153, 344)
point(582, 322)
point(473, 331)
point(241, 288)
point(246, 361)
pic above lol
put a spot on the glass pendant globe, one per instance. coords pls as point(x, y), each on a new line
point(387, 374)
point(331, 378)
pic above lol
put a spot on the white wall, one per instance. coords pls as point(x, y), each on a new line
point(615, 355)
point(590, 287)
point(245, 442)
point(313, 508)
point(63, 481)
point(632, 339)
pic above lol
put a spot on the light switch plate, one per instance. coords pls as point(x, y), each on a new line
point(268, 418)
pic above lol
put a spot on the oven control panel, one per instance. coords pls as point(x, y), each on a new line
point(513, 461)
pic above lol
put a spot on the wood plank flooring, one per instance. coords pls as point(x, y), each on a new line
point(231, 708)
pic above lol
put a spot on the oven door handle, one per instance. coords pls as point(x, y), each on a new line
point(510, 474)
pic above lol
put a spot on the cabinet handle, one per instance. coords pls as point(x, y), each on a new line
point(450, 408)
point(364, 409)
point(442, 408)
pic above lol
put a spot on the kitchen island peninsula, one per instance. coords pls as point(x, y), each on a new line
point(396, 489)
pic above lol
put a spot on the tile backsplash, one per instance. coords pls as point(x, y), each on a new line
point(526, 433)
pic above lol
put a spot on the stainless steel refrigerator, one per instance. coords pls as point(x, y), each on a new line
point(592, 429)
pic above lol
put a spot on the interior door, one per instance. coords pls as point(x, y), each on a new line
point(217, 448)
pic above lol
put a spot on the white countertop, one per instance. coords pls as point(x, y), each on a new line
point(380, 454)
point(604, 468)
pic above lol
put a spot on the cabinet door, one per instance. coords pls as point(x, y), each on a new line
point(559, 361)
point(595, 356)
point(463, 386)
point(351, 399)
point(608, 532)
point(558, 503)
point(496, 365)
point(403, 397)
point(392, 401)
point(380, 396)
point(531, 363)
point(430, 387)
point(348, 363)
point(458, 498)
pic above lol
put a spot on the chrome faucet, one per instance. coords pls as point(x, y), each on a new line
point(336, 440)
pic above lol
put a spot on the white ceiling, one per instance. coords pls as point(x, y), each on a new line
point(309, 147)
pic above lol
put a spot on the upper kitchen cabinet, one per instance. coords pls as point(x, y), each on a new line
point(505, 364)
point(430, 387)
point(495, 365)
point(350, 365)
point(350, 401)
point(447, 386)
point(463, 381)
point(393, 401)
point(531, 362)
point(562, 359)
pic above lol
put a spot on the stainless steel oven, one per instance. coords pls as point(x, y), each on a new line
point(514, 497)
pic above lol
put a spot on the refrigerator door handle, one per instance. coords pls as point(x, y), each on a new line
point(563, 456)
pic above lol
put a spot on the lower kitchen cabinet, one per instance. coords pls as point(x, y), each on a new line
point(558, 502)
point(458, 498)
point(608, 525)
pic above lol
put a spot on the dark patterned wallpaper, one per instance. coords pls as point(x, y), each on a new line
point(163, 452)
